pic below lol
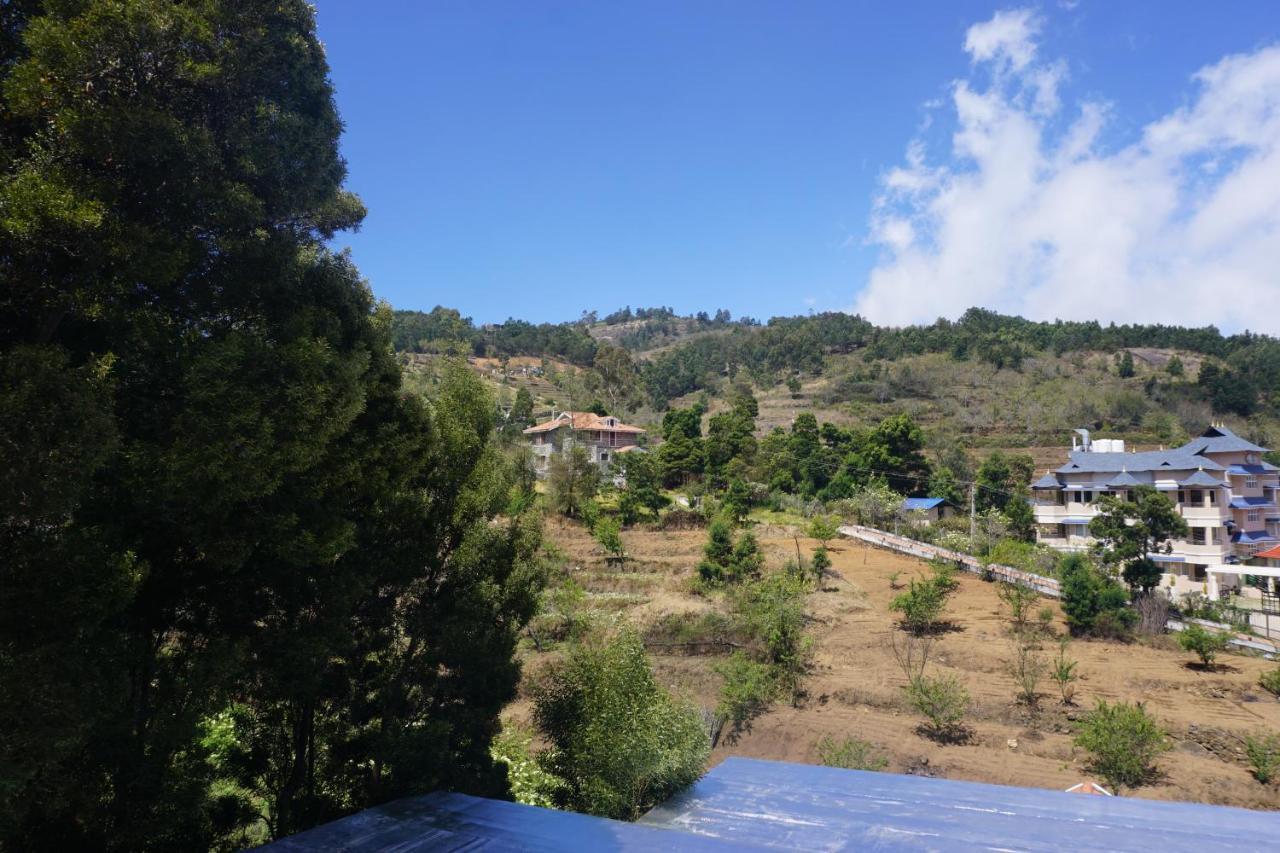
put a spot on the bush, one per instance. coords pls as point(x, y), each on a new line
point(1270, 681)
point(621, 743)
point(1018, 601)
point(529, 783)
point(1094, 604)
point(821, 562)
point(749, 687)
point(921, 606)
point(1263, 752)
point(944, 576)
point(1063, 673)
point(943, 701)
point(1205, 644)
point(772, 608)
point(1123, 742)
point(725, 561)
point(1027, 666)
point(608, 532)
point(850, 754)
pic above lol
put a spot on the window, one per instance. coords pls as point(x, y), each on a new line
point(1198, 536)
point(1251, 458)
point(1211, 497)
point(1086, 497)
point(1252, 515)
point(1196, 571)
point(1197, 496)
point(1251, 482)
point(1182, 496)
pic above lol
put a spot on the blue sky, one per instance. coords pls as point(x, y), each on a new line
point(535, 159)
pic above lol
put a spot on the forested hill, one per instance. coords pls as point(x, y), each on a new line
point(672, 356)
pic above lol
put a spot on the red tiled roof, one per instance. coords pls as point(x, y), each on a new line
point(582, 420)
point(1270, 553)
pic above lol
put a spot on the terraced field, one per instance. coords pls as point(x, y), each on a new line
point(855, 685)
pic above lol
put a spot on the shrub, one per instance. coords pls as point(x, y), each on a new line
point(772, 608)
point(944, 576)
point(1094, 604)
point(1027, 666)
point(850, 754)
point(749, 686)
point(1263, 752)
point(1270, 681)
point(824, 529)
point(529, 782)
point(1205, 644)
point(943, 701)
point(621, 743)
point(1063, 673)
point(747, 559)
point(608, 532)
point(725, 561)
point(921, 606)
point(1123, 742)
point(1017, 601)
point(821, 562)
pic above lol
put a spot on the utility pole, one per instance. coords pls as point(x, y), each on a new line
point(973, 518)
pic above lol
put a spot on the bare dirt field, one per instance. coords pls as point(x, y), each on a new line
point(854, 688)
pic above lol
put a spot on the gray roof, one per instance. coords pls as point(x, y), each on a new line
point(1178, 459)
point(1219, 439)
point(1123, 479)
point(1200, 478)
point(1048, 481)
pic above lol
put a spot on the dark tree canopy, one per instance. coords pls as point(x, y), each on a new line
point(246, 583)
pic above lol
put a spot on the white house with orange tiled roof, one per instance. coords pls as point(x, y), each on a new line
point(602, 436)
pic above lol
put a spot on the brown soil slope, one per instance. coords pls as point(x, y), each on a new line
point(855, 686)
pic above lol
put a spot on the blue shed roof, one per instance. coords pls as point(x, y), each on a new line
point(913, 504)
point(803, 807)
point(456, 822)
point(747, 804)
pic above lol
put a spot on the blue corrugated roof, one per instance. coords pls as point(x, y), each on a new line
point(913, 504)
point(1074, 520)
point(457, 822)
point(1252, 536)
point(1251, 503)
point(802, 807)
point(1264, 468)
point(747, 804)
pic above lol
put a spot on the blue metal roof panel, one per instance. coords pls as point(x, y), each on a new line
point(457, 822)
point(1251, 469)
point(1252, 503)
point(1252, 536)
point(802, 807)
point(921, 503)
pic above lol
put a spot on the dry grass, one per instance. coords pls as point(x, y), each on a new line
point(855, 687)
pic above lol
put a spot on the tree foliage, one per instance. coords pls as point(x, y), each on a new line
point(619, 741)
point(1123, 742)
point(1130, 530)
point(246, 583)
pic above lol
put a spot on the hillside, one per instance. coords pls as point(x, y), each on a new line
point(854, 686)
point(986, 381)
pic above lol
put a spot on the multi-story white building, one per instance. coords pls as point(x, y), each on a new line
point(602, 436)
point(1218, 481)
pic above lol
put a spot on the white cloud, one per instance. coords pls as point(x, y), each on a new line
point(1028, 214)
point(1008, 40)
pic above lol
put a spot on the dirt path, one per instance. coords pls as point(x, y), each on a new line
point(855, 686)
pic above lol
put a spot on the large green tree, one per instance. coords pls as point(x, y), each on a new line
point(245, 580)
point(1129, 530)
